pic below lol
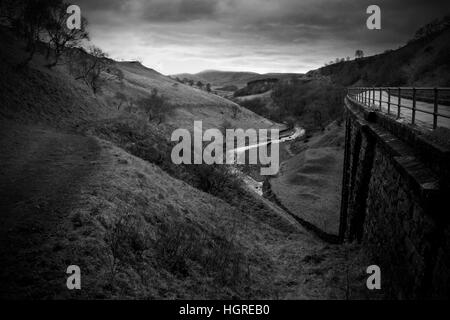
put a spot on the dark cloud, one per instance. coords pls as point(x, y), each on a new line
point(230, 34)
point(178, 10)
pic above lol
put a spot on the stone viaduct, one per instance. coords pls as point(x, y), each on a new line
point(395, 201)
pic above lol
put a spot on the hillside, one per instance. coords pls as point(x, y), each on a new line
point(423, 61)
point(87, 182)
point(309, 183)
point(231, 78)
point(190, 104)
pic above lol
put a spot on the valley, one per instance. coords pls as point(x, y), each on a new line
point(88, 177)
point(75, 178)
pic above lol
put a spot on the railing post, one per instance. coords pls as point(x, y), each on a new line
point(381, 99)
point(399, 102)
point(373, 96)
point(414, 106)
point(365, 95)
point(436, 111)
point(389, 101)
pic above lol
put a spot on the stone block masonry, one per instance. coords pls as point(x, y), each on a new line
point(395, 202)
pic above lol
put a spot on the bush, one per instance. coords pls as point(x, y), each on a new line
point(257, 106)
point(318, 100)
point(155, 106)
point(213, 179)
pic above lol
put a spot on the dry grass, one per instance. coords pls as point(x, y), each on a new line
point(309, 184)
point(136, 231)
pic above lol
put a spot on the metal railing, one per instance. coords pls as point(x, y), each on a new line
point(429, 107)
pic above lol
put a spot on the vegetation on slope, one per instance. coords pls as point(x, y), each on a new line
point(90, 184)
point(424, 61)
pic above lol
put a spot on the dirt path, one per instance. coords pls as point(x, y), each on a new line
point(40, 175)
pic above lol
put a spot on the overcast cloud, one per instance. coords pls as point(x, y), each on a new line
point(175, 36)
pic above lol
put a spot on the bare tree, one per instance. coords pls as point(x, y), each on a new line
point(89, 67)
point(60, 36)
point(359, 54)
point(28, 18)
point(155, 106)
point(318, 119)
point(235, 111)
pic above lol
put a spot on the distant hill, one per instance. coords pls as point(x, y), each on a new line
point(231, 78)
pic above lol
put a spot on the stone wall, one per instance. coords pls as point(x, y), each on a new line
point(395, 186)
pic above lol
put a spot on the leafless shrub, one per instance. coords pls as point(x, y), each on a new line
point(89, 67)
point(155, 106)
point(60, 37)
point(235, 110)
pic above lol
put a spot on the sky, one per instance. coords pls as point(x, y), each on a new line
point(189, 36)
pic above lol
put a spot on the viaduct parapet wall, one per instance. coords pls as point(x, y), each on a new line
point(395, 201)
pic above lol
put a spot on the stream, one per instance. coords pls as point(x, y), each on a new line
point(252, 184)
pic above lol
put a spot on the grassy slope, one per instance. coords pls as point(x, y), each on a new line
point(309, 183)
point(38, 95)
point(190, 104)
point(135, 231)
point(424, 62)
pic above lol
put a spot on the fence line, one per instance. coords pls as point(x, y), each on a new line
point(425, 106)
